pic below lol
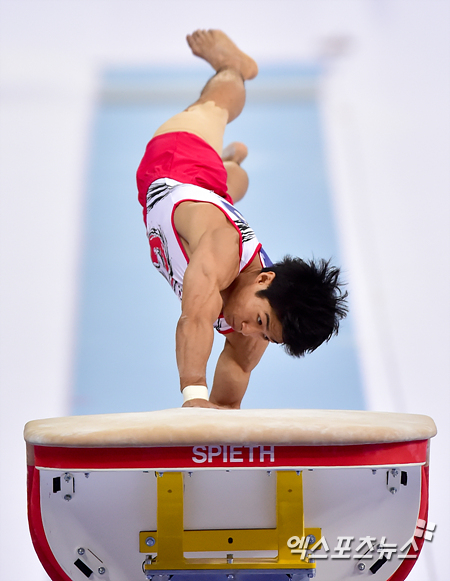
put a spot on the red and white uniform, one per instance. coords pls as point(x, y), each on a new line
point(164, 193)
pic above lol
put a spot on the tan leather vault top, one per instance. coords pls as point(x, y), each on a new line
point(196, 426)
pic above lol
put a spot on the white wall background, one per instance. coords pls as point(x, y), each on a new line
point(385, 103)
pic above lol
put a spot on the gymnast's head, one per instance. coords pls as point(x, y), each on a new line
point(308, 300)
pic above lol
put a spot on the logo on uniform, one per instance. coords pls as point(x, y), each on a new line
point(159, 253)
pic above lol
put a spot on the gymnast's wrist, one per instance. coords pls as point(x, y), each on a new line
point(194, 392)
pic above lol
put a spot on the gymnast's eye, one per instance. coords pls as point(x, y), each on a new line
point(259, 321)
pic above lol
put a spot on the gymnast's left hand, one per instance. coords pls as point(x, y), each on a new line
point(199, 403)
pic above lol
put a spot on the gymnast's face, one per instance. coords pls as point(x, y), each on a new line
point(251, 315)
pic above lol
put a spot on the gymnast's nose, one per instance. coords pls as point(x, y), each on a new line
point(248, 330)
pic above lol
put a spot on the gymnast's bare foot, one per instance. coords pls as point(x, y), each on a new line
point(236, 152)
point(220, 52)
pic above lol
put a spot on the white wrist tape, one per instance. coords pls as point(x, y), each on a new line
point(194, 392)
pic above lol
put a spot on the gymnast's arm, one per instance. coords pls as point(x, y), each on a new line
point(213, 266)
point(240, 355)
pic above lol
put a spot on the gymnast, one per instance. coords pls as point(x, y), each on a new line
point(188, 186)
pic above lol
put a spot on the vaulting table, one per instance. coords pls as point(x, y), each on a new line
point(229, 494)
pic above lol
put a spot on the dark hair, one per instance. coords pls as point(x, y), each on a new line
point(308, 301)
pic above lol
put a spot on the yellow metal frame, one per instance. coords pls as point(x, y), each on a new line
point(172, 541)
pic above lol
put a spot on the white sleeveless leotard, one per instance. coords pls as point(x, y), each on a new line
point(167, 251)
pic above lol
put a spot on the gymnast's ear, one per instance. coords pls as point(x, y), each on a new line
point(265, 278)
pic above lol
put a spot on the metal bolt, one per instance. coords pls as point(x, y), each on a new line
point(394, 472)
point(81, 551)
point(393, 490)
point(148, 561)
point(230, 558)
point(230, 577)
point(374, 472)
point(67, 497)
point(86, 475)
point(311, 539)
point(269, 472)
point(310, 575)
point(67, 477)
point(101, 570)
point(150, 541)
point(361, 566)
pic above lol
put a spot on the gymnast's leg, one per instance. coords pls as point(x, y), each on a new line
point(237, 179)
point(220, 102)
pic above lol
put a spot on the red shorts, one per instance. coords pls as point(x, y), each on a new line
point(183, 157)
